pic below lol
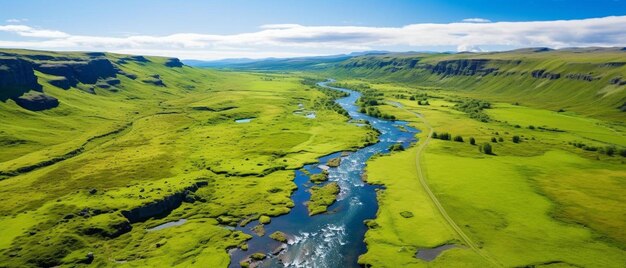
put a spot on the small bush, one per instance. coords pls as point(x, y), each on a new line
point(472, 141)
point(531, 127)
point(486, 148)
point(500, 139)
point(494, 140)
point(516, 139)
point(610, 150)
point(445, 136)
point(458, 138)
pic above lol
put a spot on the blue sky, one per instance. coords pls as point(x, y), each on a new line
point(237, 28)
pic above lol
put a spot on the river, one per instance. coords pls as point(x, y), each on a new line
point(335, 238)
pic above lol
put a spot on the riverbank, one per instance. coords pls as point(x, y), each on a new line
point(531, 194)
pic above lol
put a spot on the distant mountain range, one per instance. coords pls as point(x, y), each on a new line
point(297, 63)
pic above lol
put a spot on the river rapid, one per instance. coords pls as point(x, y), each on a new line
point(335, 238)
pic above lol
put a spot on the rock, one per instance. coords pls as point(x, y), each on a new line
point(539, 74)
point(86, 72)
point(160, 207)
point(173, 62)
point(36, 101)
point(258, 256)
point(279, 236)
point(278, 250)
point(89, 257)
point(62, 82)
point(466, 67)
point(154, 81)
point(16, 78)
point(584, 77)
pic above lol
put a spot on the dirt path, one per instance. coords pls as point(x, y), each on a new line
point(434, 199)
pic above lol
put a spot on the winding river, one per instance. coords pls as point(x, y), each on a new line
point(335, 238)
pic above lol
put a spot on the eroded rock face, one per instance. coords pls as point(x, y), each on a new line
point(86, 72)
point(542, 74)
point(36, 101)
point(463, 67)
point(16, 78)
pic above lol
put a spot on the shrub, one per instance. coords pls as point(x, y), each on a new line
point(516, 139)
point(610, 150)
point(500, 139)
point(622, 152)
point(434, 135)
point(486, 148)
point(494, 140)
point(458, 138)
point(472, 141)
point(445, 136)
point(531, 127)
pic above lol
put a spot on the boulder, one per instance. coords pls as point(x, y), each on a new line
point(36, 101)
point(173, 62)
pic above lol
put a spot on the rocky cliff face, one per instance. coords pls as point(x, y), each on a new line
point(86, 72)
point(173, 62)
point(467, 67)
point(16, 78)
point(36, 101)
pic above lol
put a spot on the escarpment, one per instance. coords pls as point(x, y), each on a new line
point(16, 77)
point(24, 74)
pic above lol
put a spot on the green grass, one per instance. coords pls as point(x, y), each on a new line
point(559, 203)
point(158, 143)
point(322, 197)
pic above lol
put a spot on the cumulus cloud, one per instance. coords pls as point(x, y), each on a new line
point(294, 39)
point(476, 20)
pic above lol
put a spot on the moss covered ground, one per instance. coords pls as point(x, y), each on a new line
point(322, 197)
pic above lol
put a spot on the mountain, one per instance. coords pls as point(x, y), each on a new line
point(278, 64)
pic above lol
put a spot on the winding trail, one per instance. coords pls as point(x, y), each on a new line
point(432, 196)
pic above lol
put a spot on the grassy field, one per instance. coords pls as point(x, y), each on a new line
point(146, 144)
point(558, 203)
point(539, 201)
point(87, 181)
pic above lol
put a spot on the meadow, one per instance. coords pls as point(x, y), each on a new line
point(556, 203)
point(147, 154)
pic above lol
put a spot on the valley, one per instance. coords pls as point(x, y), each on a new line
point(511, 159)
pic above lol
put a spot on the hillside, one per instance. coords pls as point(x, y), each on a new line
point(98, 149)
point(588, 81)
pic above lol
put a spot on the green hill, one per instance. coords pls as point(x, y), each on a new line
point(98, 148)
point(588, 81)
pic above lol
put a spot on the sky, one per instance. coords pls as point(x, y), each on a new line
point(209, 30)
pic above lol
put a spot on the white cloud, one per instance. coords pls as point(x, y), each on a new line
point(300, 40)
point(468, 48)
point(28, 31)
point(476, 20)
point(16, 20)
